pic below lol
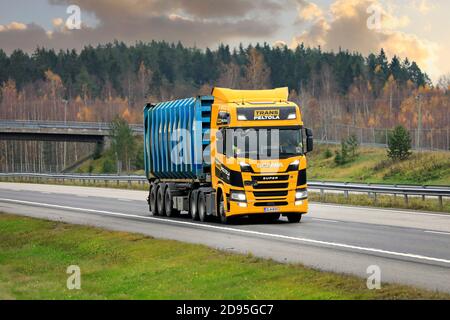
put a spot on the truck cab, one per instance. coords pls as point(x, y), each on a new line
point(258, 162)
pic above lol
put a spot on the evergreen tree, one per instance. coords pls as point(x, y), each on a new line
point(117, 65)
point(123, 143)
point(399, 144)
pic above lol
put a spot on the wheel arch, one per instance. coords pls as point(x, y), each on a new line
point(220, 191)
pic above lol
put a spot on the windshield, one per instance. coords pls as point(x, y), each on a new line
point(261, 143)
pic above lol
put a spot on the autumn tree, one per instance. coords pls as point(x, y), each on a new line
point(230, 76)
point(257, 74)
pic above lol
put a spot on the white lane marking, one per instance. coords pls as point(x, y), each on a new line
point(243, 231)
point(381, 209)
point(437, 232)
point(325, 220)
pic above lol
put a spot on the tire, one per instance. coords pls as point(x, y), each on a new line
point(193, 209)
point(152, 199)
point(294, 217)
point(170, 210)
point(160, 207)
point(222, 214)
point(201, 207)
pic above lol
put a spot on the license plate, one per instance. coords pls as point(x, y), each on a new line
point(271, 209)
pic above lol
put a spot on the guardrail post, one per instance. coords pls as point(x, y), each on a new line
point(322, 194)
point(346, 194)
point(375, 198)
point(129, 184)
point(406, 199)
point(441, 203)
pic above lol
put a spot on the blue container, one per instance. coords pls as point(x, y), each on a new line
point(176, 139)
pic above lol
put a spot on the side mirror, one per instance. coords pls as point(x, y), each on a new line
point(309, 140)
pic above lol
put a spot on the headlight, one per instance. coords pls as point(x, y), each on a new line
point(301, 194)
point(245, 167)
point(238, 196)
point(242, 117)
point(292, 116)
point(293, 166)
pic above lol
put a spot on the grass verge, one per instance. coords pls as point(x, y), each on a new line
point(34, 256)
point(372, 166)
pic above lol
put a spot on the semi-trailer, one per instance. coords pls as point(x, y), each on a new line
point(233, 153)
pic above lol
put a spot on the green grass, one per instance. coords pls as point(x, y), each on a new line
point(373, 166)
point(34, 256)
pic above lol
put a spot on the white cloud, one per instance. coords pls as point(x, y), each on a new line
point(57, 22)
point(424, 6)
point(346, 28)
point(13, 26)
point(199, 22)
point(308, 11)
point(279, 44)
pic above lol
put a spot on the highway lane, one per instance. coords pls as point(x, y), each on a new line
point(410, 247)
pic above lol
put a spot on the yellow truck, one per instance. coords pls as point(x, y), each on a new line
point(234, 153)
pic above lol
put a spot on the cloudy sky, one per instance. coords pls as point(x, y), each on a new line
point(414, 28)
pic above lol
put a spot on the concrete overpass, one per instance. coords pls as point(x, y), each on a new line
point(91, 132)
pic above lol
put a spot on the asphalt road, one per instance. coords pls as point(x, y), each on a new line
point(409, 247)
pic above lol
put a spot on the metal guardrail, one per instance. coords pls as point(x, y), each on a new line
point(84, 178)
point(371, 189)
point(374, 189)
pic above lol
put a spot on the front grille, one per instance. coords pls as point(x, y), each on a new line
point(270, 193)
point(271, 204)
point(271, 178)
point(271, 186)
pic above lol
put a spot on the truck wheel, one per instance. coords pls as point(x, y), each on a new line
point(170, 210)
point(201, 207)
point(160, 201)
point(223, 217)
point(294, 217)
point(193, 209)
point(152, 200)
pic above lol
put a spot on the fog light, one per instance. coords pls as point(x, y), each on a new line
point(298, 203)
point(242, 205)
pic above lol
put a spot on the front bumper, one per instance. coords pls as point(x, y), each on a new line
point(259, 207)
